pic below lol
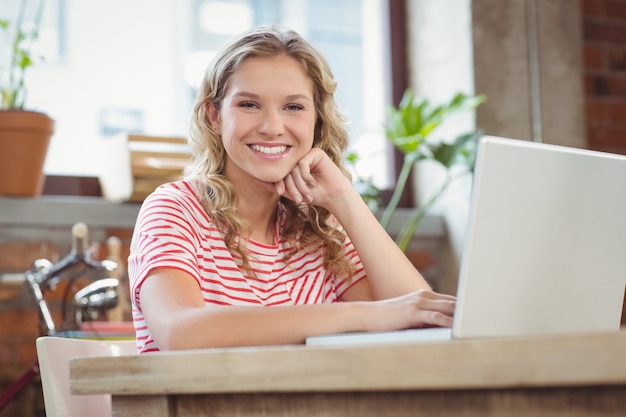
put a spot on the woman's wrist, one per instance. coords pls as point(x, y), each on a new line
point(357, 315)
point(344, 206)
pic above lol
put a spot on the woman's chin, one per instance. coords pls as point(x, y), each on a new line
point(271, 179)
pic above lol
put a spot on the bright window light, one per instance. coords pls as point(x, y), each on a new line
point(225, 18)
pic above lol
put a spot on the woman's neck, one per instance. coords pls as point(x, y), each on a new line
point(257, 206)
point(261, 218)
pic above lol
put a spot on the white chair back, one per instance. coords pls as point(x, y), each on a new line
point(54, 354)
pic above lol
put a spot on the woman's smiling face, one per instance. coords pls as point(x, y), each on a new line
point(267, 118)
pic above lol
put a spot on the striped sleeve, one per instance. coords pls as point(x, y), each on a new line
point(163, 238)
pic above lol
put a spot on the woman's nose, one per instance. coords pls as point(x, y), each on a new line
point(272, 124)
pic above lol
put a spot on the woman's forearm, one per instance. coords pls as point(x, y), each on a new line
point(389, 271)
point(257, 325)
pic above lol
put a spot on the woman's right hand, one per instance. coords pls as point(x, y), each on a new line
point(421, 308)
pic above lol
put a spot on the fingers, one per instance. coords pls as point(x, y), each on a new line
point(288, 187)
point(442, 306)
point(430, 300)
point(314, 180)
point(303, 173)
point(434, 313)
point(298, 184)
point(276, 187)
point(420, 309)
point(435, 319)
point(432, 309)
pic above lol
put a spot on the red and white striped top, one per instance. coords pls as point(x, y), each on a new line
point(174, 231)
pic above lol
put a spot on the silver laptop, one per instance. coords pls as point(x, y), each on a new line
point(545, 250)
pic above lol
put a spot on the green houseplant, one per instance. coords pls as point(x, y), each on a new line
point(24, 134)
point(13, 87)
point(410, 127)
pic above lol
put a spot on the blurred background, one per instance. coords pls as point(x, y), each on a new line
point(553, 71)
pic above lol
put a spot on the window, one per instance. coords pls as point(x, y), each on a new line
point(123, 66)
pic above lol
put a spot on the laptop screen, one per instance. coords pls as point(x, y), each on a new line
point(545, 248)
point(546, 241)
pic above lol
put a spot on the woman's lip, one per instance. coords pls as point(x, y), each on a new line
point(273, 150)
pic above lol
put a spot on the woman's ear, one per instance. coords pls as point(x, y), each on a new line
point(214, 116)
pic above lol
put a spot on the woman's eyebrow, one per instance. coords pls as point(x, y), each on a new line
point(247, 94)
point(298, 97)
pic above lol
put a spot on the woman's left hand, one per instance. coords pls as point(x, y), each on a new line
point(315, 180)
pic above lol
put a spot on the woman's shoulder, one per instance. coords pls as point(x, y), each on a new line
point(181, 193)
point(181, 189)
point(177, 199)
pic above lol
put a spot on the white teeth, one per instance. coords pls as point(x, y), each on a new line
point(269, 150)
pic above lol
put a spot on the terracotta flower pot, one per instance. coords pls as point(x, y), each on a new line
point(24, 140)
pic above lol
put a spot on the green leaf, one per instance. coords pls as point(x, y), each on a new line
point(461, 151)
point(409, 127)
point(24, 61)
point(352, 157)
point(415, 119)
point(20, 57)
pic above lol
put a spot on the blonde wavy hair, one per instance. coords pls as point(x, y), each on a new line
point(302, 225)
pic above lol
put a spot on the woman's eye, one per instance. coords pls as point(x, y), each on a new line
point(294, 107)
point(247, 104)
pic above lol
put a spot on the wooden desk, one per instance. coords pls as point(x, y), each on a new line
point(571, 376)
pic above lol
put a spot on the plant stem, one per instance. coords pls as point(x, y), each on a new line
point(397, 192)
point(22, 44)
point(406, 234)
point(14, 53)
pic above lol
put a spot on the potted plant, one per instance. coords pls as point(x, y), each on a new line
point(24, 134)
point(409, 127)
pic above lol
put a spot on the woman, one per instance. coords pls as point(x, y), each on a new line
point(265, 241)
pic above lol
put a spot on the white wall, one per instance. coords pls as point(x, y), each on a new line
point(525, 56)
point(440, 55)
